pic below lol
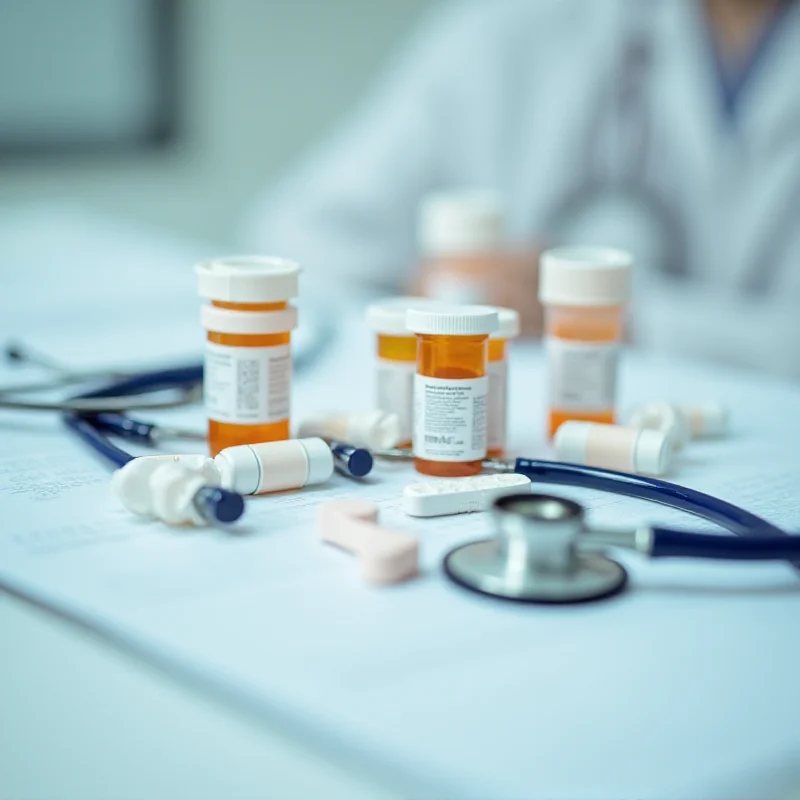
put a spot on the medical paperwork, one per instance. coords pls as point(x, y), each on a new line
point(686, 678)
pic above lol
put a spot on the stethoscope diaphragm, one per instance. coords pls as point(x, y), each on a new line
point(533, 557)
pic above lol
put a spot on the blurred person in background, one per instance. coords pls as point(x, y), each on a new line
point(667, 127)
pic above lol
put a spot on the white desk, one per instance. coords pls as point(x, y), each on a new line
point(678, 689)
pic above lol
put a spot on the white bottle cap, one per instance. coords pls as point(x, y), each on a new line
point(453, 320)
point(585, 276)
point(320, 460)
point(508, 327)
point(570, 441)
point(239, 469)
point(652, 452)
point(664, 417)
point(389, 316)
point(248, 279)
point(375, 430)
point(467, 222)
point(706, 419)
point(227, 320)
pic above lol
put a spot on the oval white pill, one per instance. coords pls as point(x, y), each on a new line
point(460, 495)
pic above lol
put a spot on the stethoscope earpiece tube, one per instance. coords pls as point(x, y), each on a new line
point(543, 551)
point(86, 431)
point(668, 543)
point(709, 508)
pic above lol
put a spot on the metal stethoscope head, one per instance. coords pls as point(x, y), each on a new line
point(544, 552)
point(541, 553)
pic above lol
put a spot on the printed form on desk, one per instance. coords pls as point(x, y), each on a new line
point(443, 693)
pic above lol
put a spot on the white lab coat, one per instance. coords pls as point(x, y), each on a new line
point(499, 93)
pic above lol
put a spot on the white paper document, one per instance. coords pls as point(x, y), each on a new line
point(440, 690)
point(653, 694)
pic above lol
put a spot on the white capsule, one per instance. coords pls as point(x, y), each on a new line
point(460, 495)
point(274, 466)
point(638, 450)
point(664, 417)
point(375, 430)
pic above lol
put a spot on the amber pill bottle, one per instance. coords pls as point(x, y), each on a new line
point(584, 291)
point(248, 363)
point(451, 388)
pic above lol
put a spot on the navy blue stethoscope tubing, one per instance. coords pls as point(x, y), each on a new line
point(756, 540)
point(711, 509)
point(97, 440)
point(172, 378)
point(759, 539)
point(93, 434)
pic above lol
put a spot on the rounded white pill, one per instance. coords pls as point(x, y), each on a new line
point(460, 495)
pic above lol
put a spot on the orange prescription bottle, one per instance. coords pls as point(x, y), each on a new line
point(248, 366)
point(497, 370)
point(461, 237)
point(396, 359)
point(584, 291)
point(451, 388)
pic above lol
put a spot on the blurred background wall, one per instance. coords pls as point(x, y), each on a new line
point(256, 83)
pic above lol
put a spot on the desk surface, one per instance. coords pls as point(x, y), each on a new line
point(671, 690)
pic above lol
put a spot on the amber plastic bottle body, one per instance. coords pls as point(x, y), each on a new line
point(397, 361)
point(457, 358)
point(583, 345)
point(498, 378)
point(227, 434)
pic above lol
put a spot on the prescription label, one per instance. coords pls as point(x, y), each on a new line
point(247, 385)
point(450, 418)
point(497, 372)
point(394, 392)
point(583, 376)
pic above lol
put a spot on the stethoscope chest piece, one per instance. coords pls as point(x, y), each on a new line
point(533, 557)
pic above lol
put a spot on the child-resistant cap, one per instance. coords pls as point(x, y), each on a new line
point(388, 317)
point(248, 279)
point(463, 222)
point(652, 452)
point(453, 320)
point(585, 276)
point(508, 327)
point(225, 320)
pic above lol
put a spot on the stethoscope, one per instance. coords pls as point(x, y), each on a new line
point(100, 413)
point(542, 552)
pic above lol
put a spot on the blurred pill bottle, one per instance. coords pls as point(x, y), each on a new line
point(466, 256)
point(584, 292)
